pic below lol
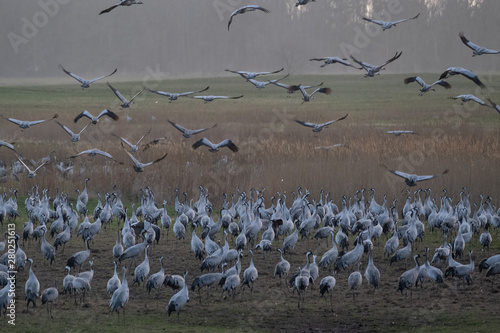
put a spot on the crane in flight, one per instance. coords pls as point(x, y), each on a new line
point(175, 96)
point(476, 49)
point(93, 152)
point(125, 102)
point(23, 124)
point(469, 97)
point(188, 132)
point(245, 9)
point(31, 173)
point(253, 75)
point(400, 132)
point(308, 97)
point(133, 148)
point(319, 127)
point(290, 89)
point(139, 166)
point(210, 98)
point(372, 70)
point(334, 60)
point(75, 137)
point(95, 119)
point(450, 71)
point(213, 148)
point(493, 105)
point(389, 24)
point(121, 3)
point(426, 87)
point(85, 83)
point(412, 179)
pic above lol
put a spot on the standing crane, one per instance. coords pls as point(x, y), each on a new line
point(31, 287)
point(121, 295)
point(49, 295)
point(178, 300)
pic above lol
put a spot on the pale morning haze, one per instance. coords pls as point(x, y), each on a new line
point(191, 39)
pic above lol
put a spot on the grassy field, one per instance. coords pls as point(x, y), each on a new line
point(277, 154)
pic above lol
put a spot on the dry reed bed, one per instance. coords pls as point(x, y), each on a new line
point(275, 152)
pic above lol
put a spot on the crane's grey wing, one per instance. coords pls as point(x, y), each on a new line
point(136, 162)
point(76, 77)
point(41, 165)
point(399, 173)
point(102, 77)
point(266, 73)
point(163, 93)
point(235, 72)
point(6, 144)
point(469, 44)
point(124, 140)
point(202, 142)
point(307, 87)
point(364, 65)
point(472, 76)
point(177, 126)
point(477, 100)
point(103, 153)
point(117, 93)
point(229, 144)
point(333, 121)
point(136, 95)
point(15, 121)
point(374, 21)
point(142, 137)
point(324, 90)
point(302, 90)
point(442, 83)
point(22, 162)
point(83, 129)
point(427, 177)
point(193, 92)
point(396, 56)
point(196, 131)
point(83, 114)
point(108, 113)
point(414, 79)
point(107, 10)
point(279, 84)
point(160, 159)
point(70, 132)
point(304, 123)
point(35, 122)
point(399, 21)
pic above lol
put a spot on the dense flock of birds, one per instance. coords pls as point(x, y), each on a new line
point(371, 70)
point(246, 219)
point(354, 229)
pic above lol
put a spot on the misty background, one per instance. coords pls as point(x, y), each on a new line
point(189, 38)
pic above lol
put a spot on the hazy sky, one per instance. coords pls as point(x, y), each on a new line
point(186, 38)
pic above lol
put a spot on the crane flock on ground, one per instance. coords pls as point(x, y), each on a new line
point(280, 226)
